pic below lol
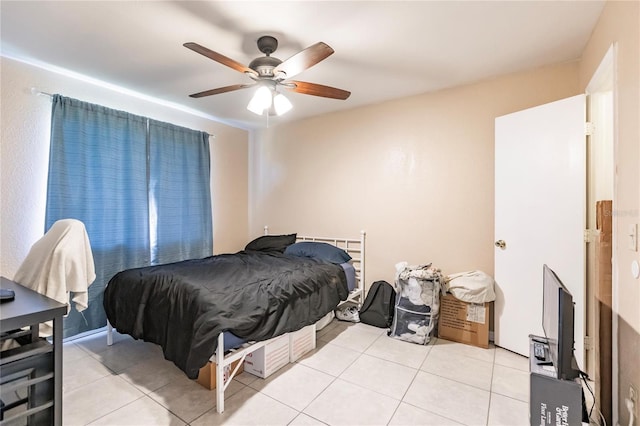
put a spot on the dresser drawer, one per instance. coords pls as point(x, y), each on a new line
point(27, 384)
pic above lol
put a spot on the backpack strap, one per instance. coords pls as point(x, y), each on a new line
point(371, 295)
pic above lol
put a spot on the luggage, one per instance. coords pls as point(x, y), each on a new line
point(418, 303)
point(378, 306)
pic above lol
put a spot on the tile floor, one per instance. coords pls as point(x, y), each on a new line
point(356, 376)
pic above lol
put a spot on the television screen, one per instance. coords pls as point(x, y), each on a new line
point(557, 323)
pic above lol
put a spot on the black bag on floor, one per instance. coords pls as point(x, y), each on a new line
point(377, 309)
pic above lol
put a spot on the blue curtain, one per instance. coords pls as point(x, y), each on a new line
point(127, 182)
point(179, 193)
point(97, 174)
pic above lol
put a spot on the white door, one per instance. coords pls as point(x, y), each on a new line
point(540, 190)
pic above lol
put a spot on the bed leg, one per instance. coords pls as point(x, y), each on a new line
point(109, 334)
point(220, 382)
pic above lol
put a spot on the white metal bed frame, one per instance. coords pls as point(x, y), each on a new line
point(355, 247)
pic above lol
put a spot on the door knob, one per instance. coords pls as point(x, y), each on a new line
point(501, 244)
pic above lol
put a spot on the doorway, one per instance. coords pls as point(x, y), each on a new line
point(600, 363)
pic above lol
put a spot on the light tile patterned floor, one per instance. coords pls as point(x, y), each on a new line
point(356, 376)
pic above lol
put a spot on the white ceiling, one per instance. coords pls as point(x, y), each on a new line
point(383, 49)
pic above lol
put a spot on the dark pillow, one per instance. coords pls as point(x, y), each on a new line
point(272, 243)
point(318, 250)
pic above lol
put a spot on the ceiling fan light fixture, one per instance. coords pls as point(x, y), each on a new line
point(281, 104)
point(260, 101)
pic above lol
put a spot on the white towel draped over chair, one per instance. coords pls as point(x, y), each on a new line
point(60, 263)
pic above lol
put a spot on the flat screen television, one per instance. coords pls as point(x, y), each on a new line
point(557, 323)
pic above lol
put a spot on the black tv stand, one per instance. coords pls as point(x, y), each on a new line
point(552, 401)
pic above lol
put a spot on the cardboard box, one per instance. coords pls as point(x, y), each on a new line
point(207, 374)
point(603, 252)
point(603, 305)
point(604, 214)
point(268, 359)
point(301, 342)
point(464, 322)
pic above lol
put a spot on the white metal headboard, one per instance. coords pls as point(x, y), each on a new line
point(355, 247)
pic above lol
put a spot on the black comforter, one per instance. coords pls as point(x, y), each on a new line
point(255, 295)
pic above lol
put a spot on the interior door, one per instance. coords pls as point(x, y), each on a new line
point(540, 190)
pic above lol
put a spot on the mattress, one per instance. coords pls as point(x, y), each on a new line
point(184, 306)
point(231, 341)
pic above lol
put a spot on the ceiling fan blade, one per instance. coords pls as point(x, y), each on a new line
point(304, 59)
point(219, 58)
point(221, 90)
point(317, 90)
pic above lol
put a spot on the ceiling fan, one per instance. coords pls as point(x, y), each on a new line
point(271, 72)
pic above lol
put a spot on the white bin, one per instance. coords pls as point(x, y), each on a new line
point(301, 342)
point(268, 359)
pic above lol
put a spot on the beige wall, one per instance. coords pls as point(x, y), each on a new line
point(619, 24)
point(416, 173)
point(24, 157)
point(229, 187)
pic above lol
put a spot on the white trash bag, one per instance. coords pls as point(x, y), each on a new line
point(471, 286)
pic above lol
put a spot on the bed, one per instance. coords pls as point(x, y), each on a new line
point(223, 307)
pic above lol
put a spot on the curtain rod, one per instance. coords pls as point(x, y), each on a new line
point(37, 92)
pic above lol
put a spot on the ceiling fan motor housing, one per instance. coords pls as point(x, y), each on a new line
point(264, 66)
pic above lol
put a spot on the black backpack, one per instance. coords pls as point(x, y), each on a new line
point(379, 304)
